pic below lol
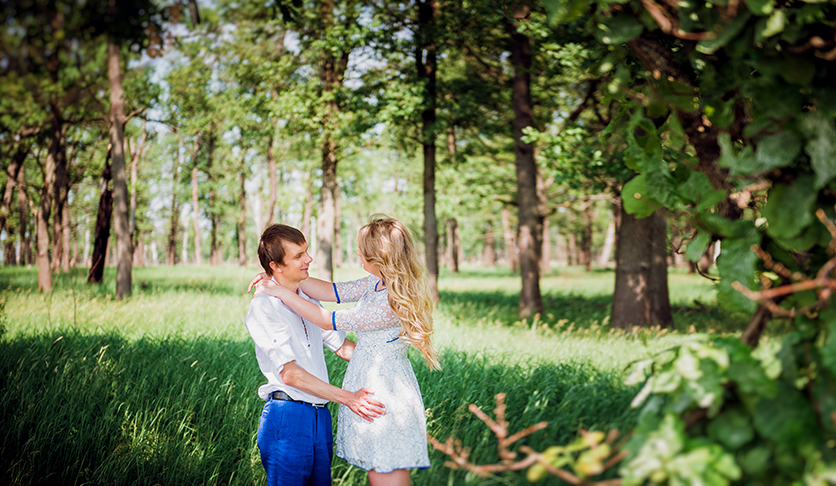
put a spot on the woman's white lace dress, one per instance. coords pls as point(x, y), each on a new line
point(398, 439)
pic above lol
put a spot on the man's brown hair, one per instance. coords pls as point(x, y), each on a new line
point(271, 244)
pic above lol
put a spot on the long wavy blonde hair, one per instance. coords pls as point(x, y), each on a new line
point(386, 243)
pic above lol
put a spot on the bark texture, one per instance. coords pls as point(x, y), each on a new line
point(102, 230)
point(124, 246)
point(426, 62)
point(198, 252)
point(641, 275)
point(530, 221)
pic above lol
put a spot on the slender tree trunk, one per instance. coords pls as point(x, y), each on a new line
point(641, 281)
point(242, 214)
point(452, 245)
point(489, 248)
point(102, 231)
point(426, 62)
point(530, 221)
point(338, 240)
point(171, 247)
point(136, 153)
point(573, 256)
point(545, 253)
point(23, 208)
point(12, 171)
point(60, 223)
point(53, 159)
point(609, 241)
point(196, 203)
point(307, 211)
point(331, 75)
point(124, 248)
point(214, 216)
point(510, 240)
point(66, 236)
point(274, 184)
point(586, 250)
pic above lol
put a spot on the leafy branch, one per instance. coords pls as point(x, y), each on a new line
point(589, 455)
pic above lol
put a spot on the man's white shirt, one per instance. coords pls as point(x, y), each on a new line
point(280, 337)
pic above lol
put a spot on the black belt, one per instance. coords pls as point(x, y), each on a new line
point(280, 395)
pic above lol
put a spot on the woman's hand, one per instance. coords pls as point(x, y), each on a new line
point(271, 288)
point(256, 279)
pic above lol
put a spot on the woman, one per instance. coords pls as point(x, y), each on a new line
point(393, 311)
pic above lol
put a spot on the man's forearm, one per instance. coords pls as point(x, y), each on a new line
point(300, 379)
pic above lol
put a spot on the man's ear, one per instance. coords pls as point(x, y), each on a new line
point(275, 267)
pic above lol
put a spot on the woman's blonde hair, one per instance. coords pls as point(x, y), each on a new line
point(386, 243)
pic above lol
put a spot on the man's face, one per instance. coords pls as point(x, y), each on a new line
point(296, 262)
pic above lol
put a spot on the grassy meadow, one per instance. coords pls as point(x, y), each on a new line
point(161, 388)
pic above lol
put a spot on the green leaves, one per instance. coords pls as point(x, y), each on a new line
point(820, 132)
point(789, 210)
point(618, 29)
point(635, 197)
point(737, 263)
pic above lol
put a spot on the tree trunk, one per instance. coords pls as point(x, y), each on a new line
point(242, 214)
point(124, 247)
point(171, 247)
point(331, 74)
point(586, 250)
point(25, 257)
point(53, 159)
point(102, 231)
point(609, 241)
point(136, 153)
point(426, 63)
point(196, 203)
point(510, 239)
point(545, 252)
point(641, 274)
point(60, 223)
point(214, 214)
point(489, 248)
point(338, 239)
point(531, 302)
point(453, 245)
point(307, 211)
point(274, 185)
point(12, 171)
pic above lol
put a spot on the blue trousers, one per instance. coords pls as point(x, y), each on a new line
point(296, 444)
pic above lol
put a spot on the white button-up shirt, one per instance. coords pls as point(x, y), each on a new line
point(280, 337)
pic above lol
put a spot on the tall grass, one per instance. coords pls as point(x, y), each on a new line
point(160, 388)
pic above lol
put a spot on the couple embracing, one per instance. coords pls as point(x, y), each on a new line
point(381, 426)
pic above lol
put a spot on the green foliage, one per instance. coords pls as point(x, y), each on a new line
point(749, 89)
point(762, 425)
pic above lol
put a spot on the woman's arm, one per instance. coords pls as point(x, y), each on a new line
point(320, 290)
point(310, 311)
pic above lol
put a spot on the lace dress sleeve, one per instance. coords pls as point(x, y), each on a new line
point(366, 316)
point(352, 291)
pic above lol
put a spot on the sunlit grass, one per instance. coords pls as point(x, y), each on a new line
point(160, 388)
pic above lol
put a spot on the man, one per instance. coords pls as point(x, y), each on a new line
point(294, 434)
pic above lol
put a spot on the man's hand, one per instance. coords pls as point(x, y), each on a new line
point(362, 404)
point(255, 280)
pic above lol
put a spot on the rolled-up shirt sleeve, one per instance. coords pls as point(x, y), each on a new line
point(270, 332)
point(352, 291)
point(333, 340)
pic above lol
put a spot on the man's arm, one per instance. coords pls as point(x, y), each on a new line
point(359, 402)
point(346, 350)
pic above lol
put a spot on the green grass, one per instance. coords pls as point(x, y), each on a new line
point(161, 388)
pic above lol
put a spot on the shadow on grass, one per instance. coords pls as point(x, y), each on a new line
point(581, 310)
point(100, 409)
